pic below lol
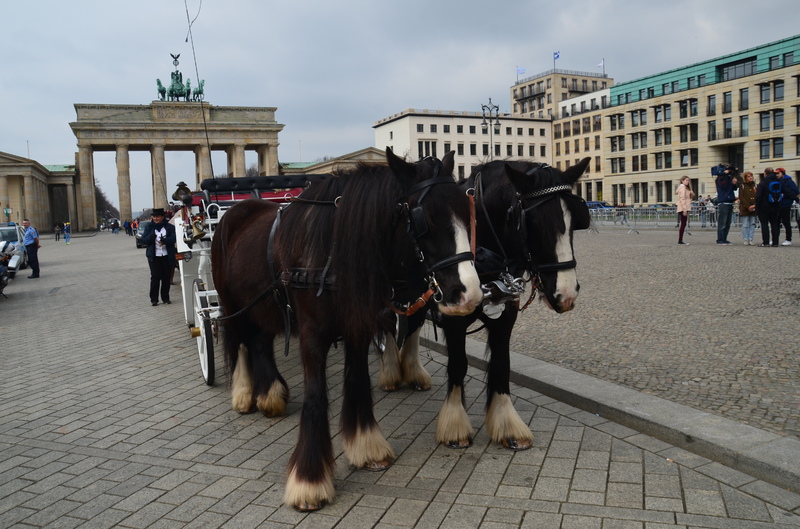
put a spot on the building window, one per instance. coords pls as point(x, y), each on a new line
point(693, 132)
point(433, 128)
point(473, 149)
point(530, 132)
point(508, 131)
point(712, 105)
point(543, 151)
point(764, 121)
point(788, 59)
point(519, 131)
point(531, 150)
point(701, 79)
point(737, 70)
point(712, 130)
point(764, 94)
point(556, 131)
point(744, 126)
point(727, 125)
point(659, 160)
point(727, 102)
point(777, 120)
point(683, 109)
point(426, 148)
point(420, 127)
point(777, 148)
point(460, 149)
point(497, 149)
point(566, 147)
point(577, 146)
point(774, 62)
point(485, 149)
point(744, 99)
point(460, 129)
point(472, 129)
point(659, 112)
point(446, 129)
point(558, 149)
point(596, 142)
point(597, 166)
point(509, 150)
point(778, 89)
point(520, 150)
point(460, 172)
point(764, 149)
point(635, 164)
point(446, 148)
point(586, 143)
point(692, 82)
point(693, 107)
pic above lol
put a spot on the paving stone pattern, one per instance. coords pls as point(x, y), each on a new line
point(105, 421)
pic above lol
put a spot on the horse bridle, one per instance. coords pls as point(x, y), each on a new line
point(417, 227)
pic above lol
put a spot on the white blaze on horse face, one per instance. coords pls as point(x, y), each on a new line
point(466, 274)
point(567, 280)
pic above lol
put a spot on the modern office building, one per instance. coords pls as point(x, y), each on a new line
point(742, 108)
point(420, 133)
point(540, 95)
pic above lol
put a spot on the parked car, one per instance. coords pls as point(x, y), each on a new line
point(138, 235)
point(14, 233)
point(598, 205)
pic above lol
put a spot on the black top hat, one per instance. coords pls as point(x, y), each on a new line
point(158, 211)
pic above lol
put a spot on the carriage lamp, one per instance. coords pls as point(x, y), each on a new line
point(491, 111)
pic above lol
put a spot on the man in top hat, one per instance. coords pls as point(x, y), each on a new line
point(159, 240)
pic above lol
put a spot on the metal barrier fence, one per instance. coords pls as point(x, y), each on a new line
point(665, 217)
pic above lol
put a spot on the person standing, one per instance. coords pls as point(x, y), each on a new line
point(67, 232)
point(159, 239)
point(31, 242)
point(685, 195)
point(768, 208)
point(747, 207)
point(790, 196)
point(57, 231)
point(726, 183)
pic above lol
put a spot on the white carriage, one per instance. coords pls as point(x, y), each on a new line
point(195, 224)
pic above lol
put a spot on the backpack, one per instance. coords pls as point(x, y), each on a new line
point(775, 190)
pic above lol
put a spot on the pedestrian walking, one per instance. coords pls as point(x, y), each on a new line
point(790, 196)
point(747, 207)
point(726, 184)
point(685, 195)
point(768, 196)
point(31, 242)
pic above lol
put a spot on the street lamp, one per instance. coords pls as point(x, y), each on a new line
point(487, 110)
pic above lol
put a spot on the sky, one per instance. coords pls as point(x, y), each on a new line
point(332, 69)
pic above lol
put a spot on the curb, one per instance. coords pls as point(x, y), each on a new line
point(763, 455)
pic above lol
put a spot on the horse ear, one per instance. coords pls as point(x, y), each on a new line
point(517, 178)
point(576, 171)
point(448, 162)
point(403, 171)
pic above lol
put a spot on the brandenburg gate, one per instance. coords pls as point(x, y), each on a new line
point(169, 125)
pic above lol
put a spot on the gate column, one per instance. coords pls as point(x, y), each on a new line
point(236, 167)
point(4, 200)
point(268, 160)
point(124, 183)
point(86, 210)
point(202, 164)
point(159, 176)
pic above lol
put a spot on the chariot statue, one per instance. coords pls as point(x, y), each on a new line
point(177, 90)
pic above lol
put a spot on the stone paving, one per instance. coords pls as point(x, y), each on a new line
point(708, 326)
point(105, 420)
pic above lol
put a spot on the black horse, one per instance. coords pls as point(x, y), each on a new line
point(526, 214)
point(324, 267)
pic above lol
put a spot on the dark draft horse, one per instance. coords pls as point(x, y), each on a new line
point(325, 266)
point(526, 214)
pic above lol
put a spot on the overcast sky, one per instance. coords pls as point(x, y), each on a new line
point(332, 69)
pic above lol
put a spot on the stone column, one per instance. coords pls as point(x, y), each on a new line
point(159, 176)
point(5, 202)
point(268, 160)
point(236, 163)
point(86, 217)
point(71, 204)
point(202, 164)
point(124, 182)
point(29, 200)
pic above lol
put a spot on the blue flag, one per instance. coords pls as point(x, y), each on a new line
point(520, 71)
point(556, 55)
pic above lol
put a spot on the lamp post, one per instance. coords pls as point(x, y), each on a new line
point(487, 110)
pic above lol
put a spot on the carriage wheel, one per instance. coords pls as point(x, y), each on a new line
point(205, 341)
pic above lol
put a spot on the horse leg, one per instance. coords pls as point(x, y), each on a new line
point(390, 375)
point(309, 485)
point(270, 389)
point(364, 443)
point(414, 374)
point(503, 423)
point(242, 383)
point(453, 428)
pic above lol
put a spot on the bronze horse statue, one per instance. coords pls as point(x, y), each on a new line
point(323, 268)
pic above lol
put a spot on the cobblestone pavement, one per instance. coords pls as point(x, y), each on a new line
point(105, 420)
point(708, 326)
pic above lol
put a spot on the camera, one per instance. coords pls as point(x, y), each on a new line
point(719, 170)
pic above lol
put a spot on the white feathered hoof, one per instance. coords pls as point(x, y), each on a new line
point(273, 404)
point(453, 428)
point(369, 450)
point(242, 384)
point(307, 496)
point(505, 426)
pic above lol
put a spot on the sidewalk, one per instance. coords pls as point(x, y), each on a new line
point(105, 421)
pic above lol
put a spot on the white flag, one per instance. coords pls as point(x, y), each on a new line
point(601, 63)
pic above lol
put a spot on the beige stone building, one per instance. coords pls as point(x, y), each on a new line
point(541, 95)
point(419, 133)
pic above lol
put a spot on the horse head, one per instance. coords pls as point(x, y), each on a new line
point(435, 219)
point(549, 213)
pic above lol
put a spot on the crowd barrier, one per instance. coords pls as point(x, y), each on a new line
point(664, 217)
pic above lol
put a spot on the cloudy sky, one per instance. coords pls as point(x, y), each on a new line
point(332, 68)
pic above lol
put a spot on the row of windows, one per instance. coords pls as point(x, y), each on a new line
point(473, 129)
point(598, 167)
point(727, 72)
point(577, 145)
point(578, 126)
point(429, 148)
point(663, 160)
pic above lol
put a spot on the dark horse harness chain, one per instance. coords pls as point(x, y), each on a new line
point(319, 278)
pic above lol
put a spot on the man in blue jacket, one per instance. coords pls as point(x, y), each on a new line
point(726, 184)
point(159, 238)
point(790, 196)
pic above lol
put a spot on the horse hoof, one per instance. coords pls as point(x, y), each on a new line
point(417, 386)
point(389, 388)
point(458, 444)
point(308, 507)
point(377, 466)
point(515, 444)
